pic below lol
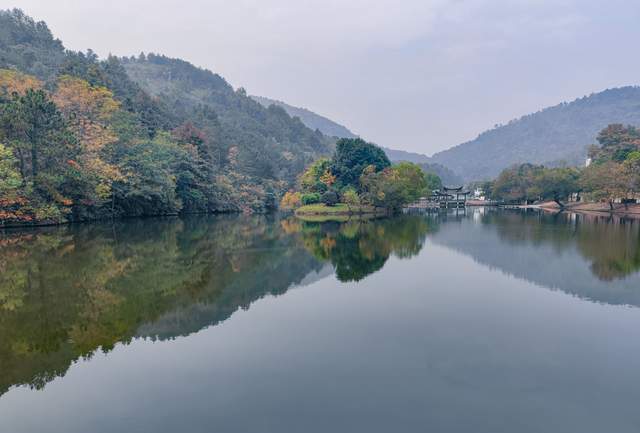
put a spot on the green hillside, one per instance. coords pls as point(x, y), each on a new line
point(270, 143)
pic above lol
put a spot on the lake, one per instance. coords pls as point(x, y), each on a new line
point(470, 321)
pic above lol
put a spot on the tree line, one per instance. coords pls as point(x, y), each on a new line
point(612, 174)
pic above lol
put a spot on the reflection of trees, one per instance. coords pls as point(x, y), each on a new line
point(68, 291)
point(611, 243)
point(613, 246)
point(358, 248)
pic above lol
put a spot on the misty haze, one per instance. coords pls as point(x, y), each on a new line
point(349, 216)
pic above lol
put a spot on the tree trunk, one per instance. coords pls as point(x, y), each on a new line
point(21, 158)
point(611, 205)
point(562, 206)
point(34, 161)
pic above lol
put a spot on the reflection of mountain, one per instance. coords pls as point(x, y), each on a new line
point(254, 285)
point(595, 258)
point(66, 292)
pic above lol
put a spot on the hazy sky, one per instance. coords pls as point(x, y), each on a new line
point(419, 75)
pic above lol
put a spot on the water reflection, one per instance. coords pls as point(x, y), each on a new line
point(611, 243)
point(592, 256)
point(68, 292)
point(358, 248)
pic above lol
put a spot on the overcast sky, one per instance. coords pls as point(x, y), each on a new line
point(419, 75)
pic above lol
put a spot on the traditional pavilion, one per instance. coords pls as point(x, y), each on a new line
point(443, 198)
point(450, 197)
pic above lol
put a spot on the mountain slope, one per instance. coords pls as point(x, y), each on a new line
point(312, 120)
point(270, 144)
point(447, 176)
point(555, 135)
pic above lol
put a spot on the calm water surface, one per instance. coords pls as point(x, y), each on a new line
point(481, 321)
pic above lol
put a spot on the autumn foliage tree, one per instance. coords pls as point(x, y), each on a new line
point(290, 200)
point(89, 110)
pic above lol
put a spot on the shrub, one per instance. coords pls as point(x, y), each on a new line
point(310, 198)
point(330, 198)
point(350, 197)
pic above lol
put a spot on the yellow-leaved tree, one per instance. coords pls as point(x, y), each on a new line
point(89, 110)
point(14, 81)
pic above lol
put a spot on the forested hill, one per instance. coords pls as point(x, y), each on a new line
point(553, 136)
point(83, 137)
point(269, 143)
point(312, 120)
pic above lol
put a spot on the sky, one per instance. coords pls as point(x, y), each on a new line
point(417, 75)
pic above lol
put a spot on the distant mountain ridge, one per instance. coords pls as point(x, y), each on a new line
point(553, 136)
point(403, 155)
point(309, 118)
point(333, 129)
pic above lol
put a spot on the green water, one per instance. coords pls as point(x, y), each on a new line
point(476, 321)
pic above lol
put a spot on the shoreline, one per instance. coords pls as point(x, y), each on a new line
point(594, 208)
point(584, 207)
point(632, 208)
point(113, 219)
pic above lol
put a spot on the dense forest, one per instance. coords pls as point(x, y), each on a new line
point(555, 136)
point(85, 138)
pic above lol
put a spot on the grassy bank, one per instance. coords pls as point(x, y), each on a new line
point(339, 212)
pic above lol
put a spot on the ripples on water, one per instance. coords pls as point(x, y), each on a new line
point(475, 321)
